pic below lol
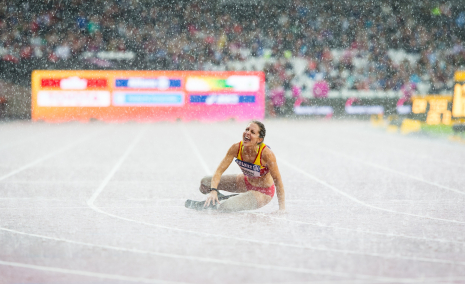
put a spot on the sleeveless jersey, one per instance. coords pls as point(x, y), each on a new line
point(256, 169)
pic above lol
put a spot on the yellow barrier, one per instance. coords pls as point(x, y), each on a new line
point(438, 111)
point(409, 126)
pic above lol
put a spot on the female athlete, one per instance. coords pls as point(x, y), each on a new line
point(260, 175)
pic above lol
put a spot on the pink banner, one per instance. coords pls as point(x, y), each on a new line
point(147, 95)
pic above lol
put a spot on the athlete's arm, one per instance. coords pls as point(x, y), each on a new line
point(213, 196)
point(270, 160)
point(224, 165)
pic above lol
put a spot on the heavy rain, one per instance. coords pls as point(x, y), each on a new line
point(232, 141)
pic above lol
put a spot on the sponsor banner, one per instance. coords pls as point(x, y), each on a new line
point(402, 110)
point(364, 109)
point(313, 110)
point(126, 95)
point(74, 83)
point(433, 109)
point(222, 99)
point(231, 83)
point(73, 98)
point(148, 99)
point(160, 83)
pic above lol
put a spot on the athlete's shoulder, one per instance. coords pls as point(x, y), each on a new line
point(234, 149)
point(267, 152)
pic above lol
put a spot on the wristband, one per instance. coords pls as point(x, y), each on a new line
point(211, 189)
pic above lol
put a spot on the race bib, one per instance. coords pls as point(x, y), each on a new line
point(248, 169)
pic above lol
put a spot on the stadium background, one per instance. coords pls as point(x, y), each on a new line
point(313, 53)
point(103, 202)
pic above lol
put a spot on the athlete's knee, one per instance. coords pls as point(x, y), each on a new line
point(244, 201)
point(230, 205)
point(205, 184)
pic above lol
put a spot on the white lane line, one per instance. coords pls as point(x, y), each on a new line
point(39, 135)
point(345, 281)
point(424, 239)
point(113, 199)
point(348, 196)
point(349, 252)
point(43, 158)
point(45, 182)
point(384, 168)
point(373, 165)
point(353, 198)
point(86, 273)
point(226, 262)
point(452, 279)
point(360, 202)
point(433, 280)
point(392, 150)
point(79, 272)
point(94, 196)
point(397, 151)
point(358, 231)
point(91, 201)
point(269, 267)
point(196, 150)
point(148, 280)
point(78, 181)
point(291, 245)
point(263, 242)
point(85, 207)
point(319, 272)
point(191, 258)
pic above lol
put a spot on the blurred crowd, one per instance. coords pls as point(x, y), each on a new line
point(206, 35)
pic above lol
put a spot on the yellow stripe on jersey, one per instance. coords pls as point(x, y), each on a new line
point(259, 154)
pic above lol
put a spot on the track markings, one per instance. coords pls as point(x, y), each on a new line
point(45, 157)
point(115, 168)
point(290, 165)
point(359, 202)
point(192, 258)
point(94, 196)
point(397, 151)
point(374, 165)
point(99, 190)
point(86, 273)
point(350, 197)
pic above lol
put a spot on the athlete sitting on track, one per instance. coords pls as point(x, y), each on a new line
point(257, 183)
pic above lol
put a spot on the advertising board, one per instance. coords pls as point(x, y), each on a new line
point(59, 96)
point(458, 106)
point(435, 107)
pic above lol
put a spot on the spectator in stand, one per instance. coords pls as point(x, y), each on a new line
point(320, 88)
point(208, 35)
point(408, 88)
point(63, 51)
point(277, 97)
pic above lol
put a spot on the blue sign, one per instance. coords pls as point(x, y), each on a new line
point(148, 99)
point(222, 99)
point(161, 83)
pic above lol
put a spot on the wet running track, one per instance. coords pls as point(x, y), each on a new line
point(104, 203)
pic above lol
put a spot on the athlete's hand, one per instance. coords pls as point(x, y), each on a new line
point(211, 198)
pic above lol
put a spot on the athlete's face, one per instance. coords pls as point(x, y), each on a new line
point(251, 135)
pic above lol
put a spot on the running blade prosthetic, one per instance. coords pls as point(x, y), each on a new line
point(198, 205)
